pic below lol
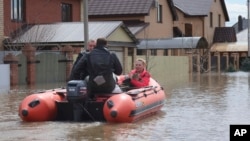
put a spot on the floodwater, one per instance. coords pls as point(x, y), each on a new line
point(200, 108)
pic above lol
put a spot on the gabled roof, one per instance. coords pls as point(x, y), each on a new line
point(240, 46)
point(224, 34)
point(135, 26)
point(174, 43)
point(198, 7)
point(193, 7)
point(119, 7)
point(99, 8)
point(70, 32)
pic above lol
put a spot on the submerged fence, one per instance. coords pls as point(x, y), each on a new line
point(5, 78)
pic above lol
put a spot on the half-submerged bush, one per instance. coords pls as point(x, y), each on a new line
point(245, 66)
point(231, 68)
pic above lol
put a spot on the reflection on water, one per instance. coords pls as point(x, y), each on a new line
point(198, 107)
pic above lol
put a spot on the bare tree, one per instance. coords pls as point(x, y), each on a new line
point(38, 35)
point(23, 35)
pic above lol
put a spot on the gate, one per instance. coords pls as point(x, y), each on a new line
point(22, 69)
point(50, 68)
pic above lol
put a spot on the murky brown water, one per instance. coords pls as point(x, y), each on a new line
point(198, 108)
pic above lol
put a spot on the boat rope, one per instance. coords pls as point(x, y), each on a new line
point(145, 95)
point(134, 92)
point(155, 91)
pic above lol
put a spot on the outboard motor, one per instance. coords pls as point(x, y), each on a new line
point(77, 91)
point(77, 96)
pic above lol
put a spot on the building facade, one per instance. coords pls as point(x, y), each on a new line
point(18, 15)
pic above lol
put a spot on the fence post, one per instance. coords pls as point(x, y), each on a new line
point(68, 52)
point(29, 52)
point(13, 61)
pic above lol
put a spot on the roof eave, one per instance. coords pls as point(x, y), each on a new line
point(172, 10)
point(224, 8)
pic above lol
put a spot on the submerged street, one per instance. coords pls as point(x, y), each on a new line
point(201, 107)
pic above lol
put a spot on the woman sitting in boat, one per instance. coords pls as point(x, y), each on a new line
point(139, 76)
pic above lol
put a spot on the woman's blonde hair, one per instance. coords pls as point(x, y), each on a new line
point(142, 60)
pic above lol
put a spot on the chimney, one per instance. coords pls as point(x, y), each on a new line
point(240, 23)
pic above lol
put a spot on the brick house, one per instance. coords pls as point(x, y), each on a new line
point(230, 46)
point(30, 12)
point(158, 21)
point(17, 16)
point(51, 25)
point(147, 19)
point(201, 18)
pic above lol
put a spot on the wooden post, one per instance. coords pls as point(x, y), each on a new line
point(237, 62)
point(125, 60)
point(209, 62)
point(227, 64)
point(198, 63)
point(218, 62)
point(68, 52)
point(133, 58)
point(191, 64)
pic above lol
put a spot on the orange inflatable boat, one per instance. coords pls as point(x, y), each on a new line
point(72, 104)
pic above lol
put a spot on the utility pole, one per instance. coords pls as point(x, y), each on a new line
point(248, 18)
point(86, 20)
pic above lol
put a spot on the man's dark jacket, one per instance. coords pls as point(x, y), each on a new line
point(74, 74)
point(99, 62)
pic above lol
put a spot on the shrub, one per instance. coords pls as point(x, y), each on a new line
point(231, 68)
point(245, 64)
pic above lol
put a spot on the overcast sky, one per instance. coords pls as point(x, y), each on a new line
point(234, 9)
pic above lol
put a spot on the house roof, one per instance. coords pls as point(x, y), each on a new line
point(98, 8)
point(230, 47)
point(135, 26)
point(70, 32)
point(174, 43)
point(240, 46)
point(224, 34)
point(119, 7)
point(198, 7)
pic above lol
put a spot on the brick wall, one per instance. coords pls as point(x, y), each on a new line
point(39, 12)
point(1, 24)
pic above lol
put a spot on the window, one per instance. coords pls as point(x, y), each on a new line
point(17, 10)
point(159, 13)
point(165, 52)
point(66, 12)
point(188, 30)
point(211, 19)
